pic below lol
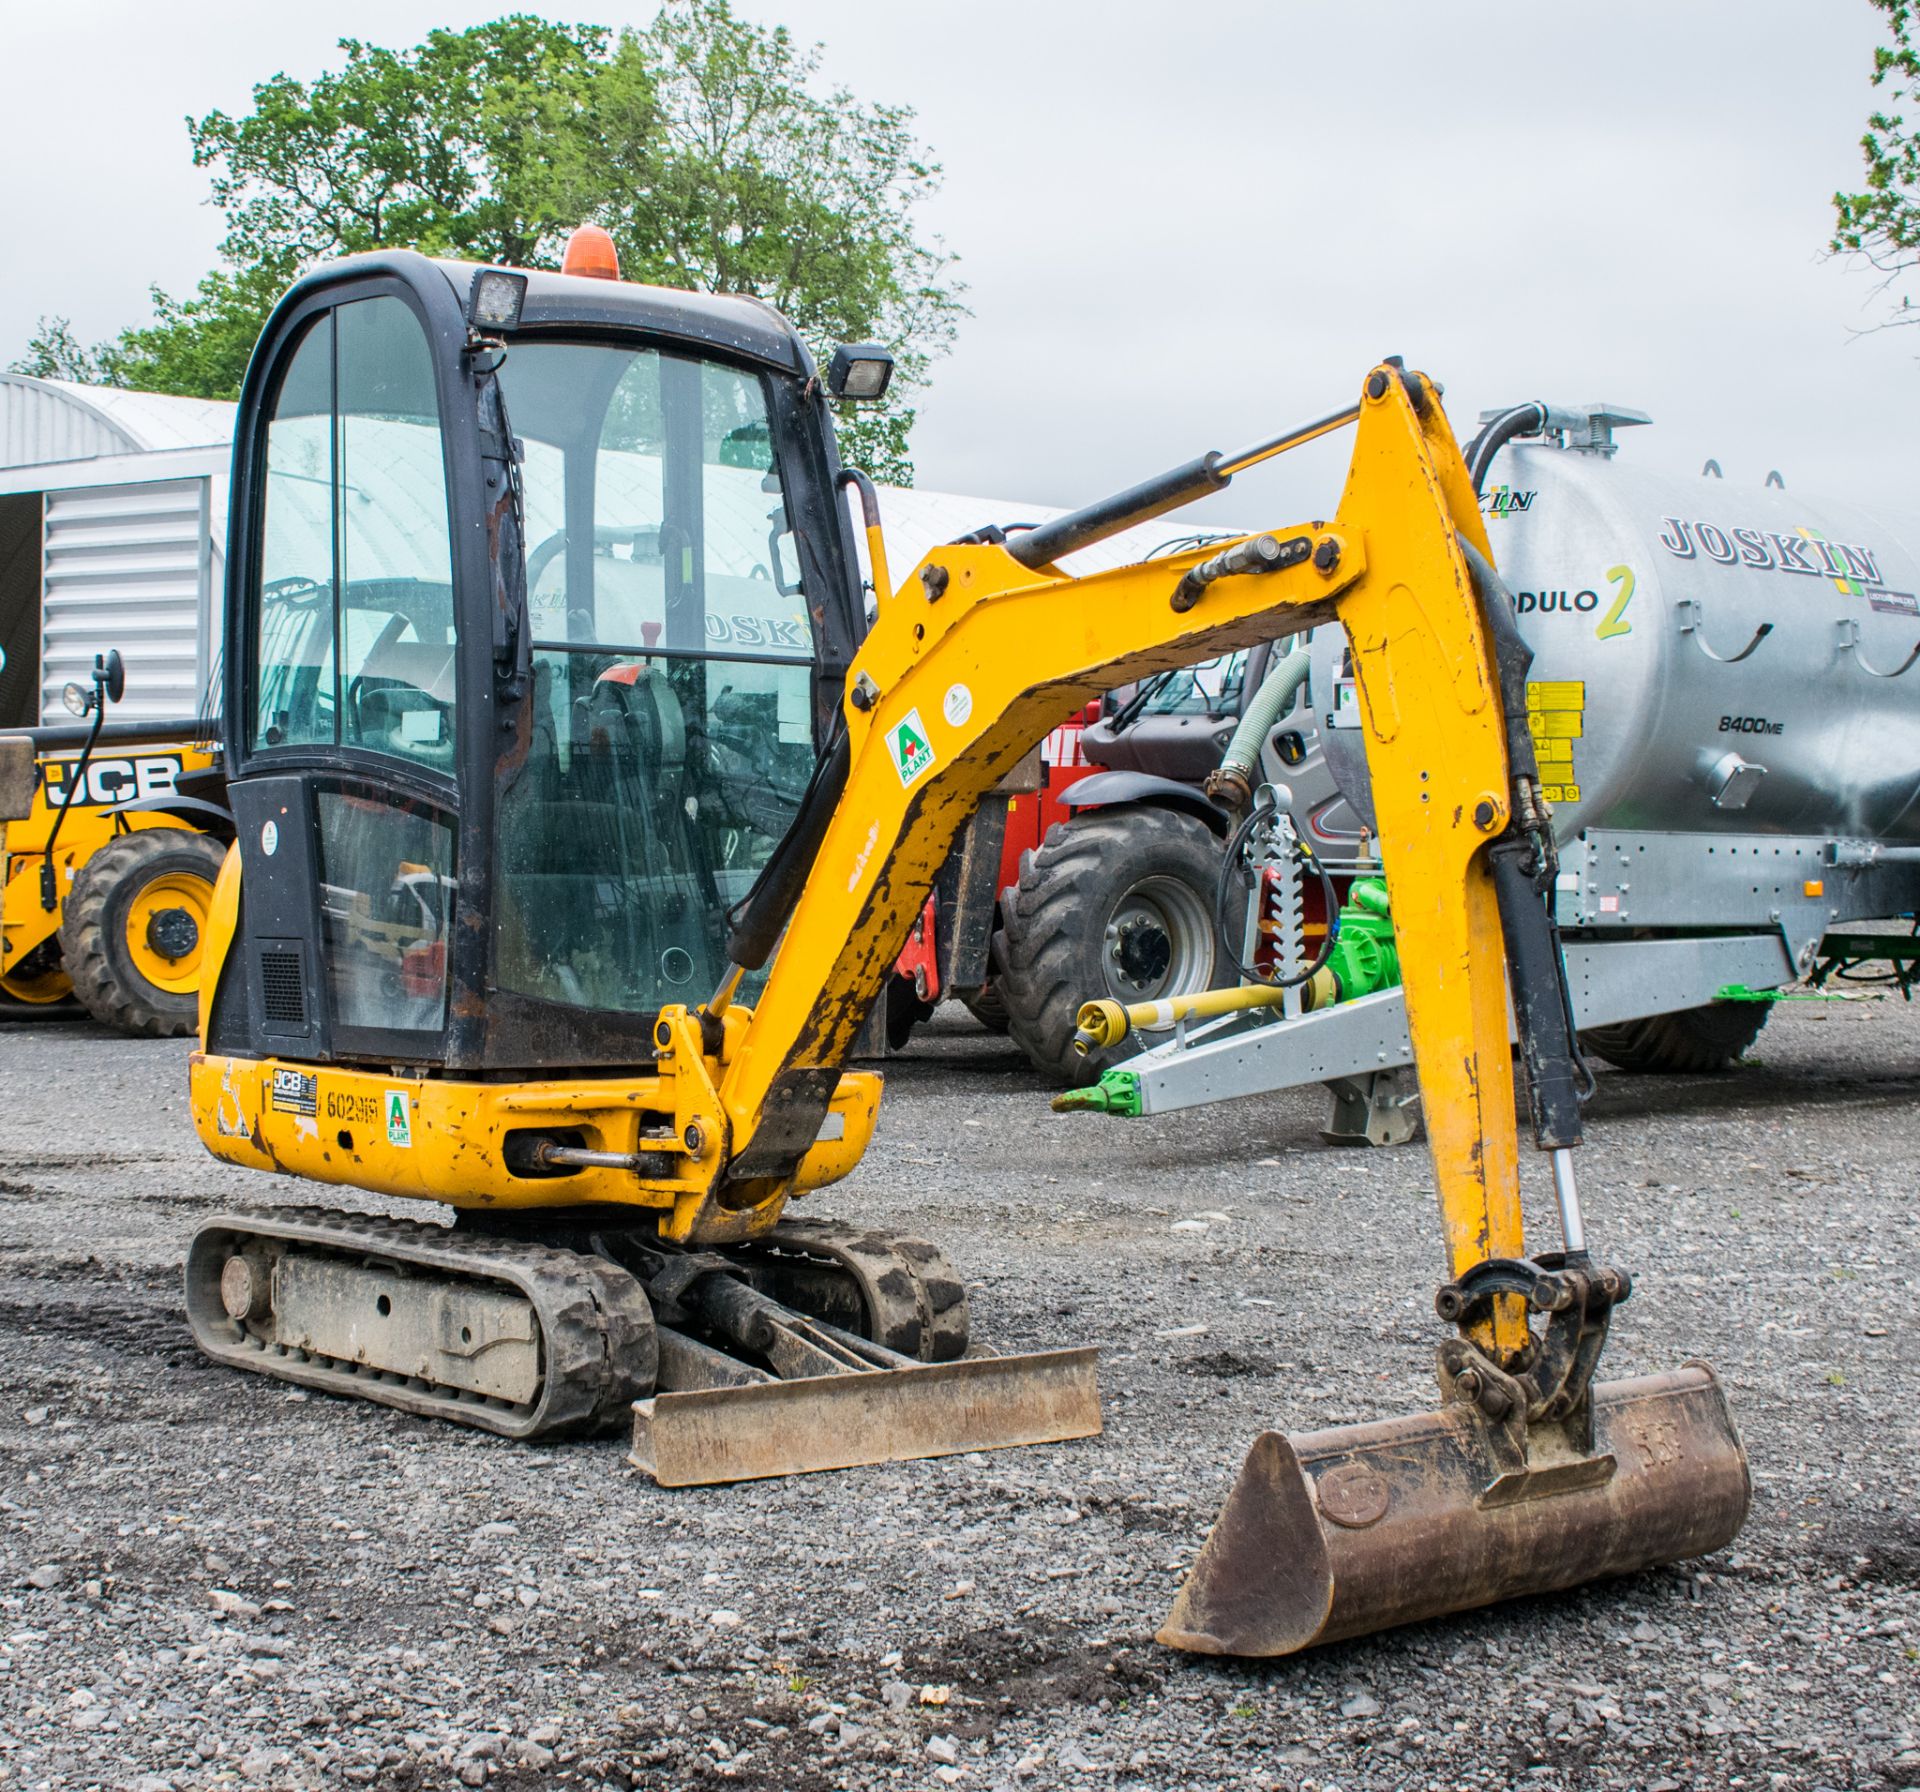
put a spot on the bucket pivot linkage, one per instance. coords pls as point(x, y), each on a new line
point(1532, 1476)
point(1550, 1380)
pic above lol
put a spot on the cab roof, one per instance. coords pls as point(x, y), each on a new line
point(735, 324)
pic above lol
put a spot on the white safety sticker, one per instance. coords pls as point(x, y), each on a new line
point(958, 704)
point(270, 838)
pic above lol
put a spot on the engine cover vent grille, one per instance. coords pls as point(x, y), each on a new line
point(283, 987)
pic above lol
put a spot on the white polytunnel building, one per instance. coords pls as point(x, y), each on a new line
point(113, 523)
point(113, 518)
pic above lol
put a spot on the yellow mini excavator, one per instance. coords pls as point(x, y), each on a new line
point(580, 821)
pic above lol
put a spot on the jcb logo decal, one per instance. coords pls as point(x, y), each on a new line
point(112, 781)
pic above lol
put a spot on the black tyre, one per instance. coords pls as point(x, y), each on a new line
point(1115, 903)
point(133, 928)
point(1693, 1042)
point(987, 1006)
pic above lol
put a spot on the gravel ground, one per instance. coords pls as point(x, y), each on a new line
point(208, 1579)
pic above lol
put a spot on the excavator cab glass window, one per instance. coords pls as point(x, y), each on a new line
point(672, 674)
point(355, 644)
point(353, 661)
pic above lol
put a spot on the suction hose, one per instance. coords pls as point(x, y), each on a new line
point(1527, 419)
point(1232, 782)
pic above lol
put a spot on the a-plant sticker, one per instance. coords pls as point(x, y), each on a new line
point(399, 1120)
point(908, 743)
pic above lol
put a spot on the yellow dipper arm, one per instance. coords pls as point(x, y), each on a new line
point(976, 657)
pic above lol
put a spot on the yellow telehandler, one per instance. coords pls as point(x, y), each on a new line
point(579, 826)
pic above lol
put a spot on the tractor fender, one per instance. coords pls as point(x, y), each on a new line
point(1112, 790)
point(190, 811)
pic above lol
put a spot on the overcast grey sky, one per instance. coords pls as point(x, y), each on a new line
point(1184, 227)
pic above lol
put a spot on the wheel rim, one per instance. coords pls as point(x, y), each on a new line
point(1159, 942)
point(38, 992)
point(166, 927)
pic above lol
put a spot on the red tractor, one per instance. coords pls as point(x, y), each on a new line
point(1105, 859)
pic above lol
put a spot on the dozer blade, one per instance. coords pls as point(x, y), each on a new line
point(772, 1428)
point(1343, 1532)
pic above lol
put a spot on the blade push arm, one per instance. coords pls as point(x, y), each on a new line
point(977, 656)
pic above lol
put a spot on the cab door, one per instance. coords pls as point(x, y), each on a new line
point(350, 690)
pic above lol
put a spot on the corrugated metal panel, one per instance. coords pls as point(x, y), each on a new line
point(127, 566)
point(45, 421)
point(156, 420)
point(41, 422)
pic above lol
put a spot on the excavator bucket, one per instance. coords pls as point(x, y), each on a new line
point(1339, 1533)
point(765, 1428)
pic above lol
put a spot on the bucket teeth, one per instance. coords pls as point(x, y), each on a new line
point(1339, 1533)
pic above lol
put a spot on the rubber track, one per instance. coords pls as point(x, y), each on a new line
point(597, 1338)
point(916, 1301)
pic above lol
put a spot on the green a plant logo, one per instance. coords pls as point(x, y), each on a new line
point(909, 746)
point(399, 1120)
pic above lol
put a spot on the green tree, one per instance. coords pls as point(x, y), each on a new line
point(704, 143)
point(55, 353)
point(1882, 224)
point(723, 166)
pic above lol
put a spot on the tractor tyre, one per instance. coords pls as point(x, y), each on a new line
point(1114, 903)
point(134, 926)
point(987, 1006)
point(1693, 1042)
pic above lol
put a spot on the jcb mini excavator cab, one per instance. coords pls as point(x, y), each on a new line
point(540, 610)
point(547, 723)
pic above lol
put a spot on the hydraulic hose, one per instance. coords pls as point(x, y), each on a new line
point(1223, 920)
point(1232, 782)
point(1527, 419)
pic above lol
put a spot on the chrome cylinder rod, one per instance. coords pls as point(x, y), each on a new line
point(1573, 1231)
point(1296, 437)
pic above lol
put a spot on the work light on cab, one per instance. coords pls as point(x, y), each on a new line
point(860, 372)
point(497, 298)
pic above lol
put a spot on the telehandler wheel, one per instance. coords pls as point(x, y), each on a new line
point(1693, 1042)
point(988, 1007)
point(1115, 903)
point(133, 927)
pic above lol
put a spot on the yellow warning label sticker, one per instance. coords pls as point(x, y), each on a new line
point(1556, 717)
